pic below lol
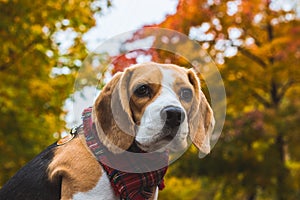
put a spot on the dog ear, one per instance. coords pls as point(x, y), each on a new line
point(201, 119)
point(112, 115)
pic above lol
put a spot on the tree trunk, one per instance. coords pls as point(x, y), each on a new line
point(252, 196)
point(282, 171)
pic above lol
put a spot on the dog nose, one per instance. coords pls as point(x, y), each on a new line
point(173, 116)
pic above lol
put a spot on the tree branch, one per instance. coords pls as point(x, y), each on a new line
point(285, 88)
point(261, 99)
point(253, 57)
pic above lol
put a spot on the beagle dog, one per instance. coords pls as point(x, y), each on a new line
point(156, 107)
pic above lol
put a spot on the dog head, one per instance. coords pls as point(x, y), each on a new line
point(158, 106)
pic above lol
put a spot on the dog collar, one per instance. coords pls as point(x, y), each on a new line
point(129, 186)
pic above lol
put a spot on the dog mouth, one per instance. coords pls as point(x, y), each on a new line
point(168, 133)
point(163, 140)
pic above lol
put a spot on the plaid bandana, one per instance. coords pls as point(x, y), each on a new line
point(128, 186)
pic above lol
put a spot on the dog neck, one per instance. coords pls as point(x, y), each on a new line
point(127, 185)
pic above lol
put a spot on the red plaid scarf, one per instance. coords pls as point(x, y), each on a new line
point(129, 186)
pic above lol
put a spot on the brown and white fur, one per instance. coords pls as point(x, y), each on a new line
point(122, 116)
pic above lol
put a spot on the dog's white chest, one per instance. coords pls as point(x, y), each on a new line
point(102, 191)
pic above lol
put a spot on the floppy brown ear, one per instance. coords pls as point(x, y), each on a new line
point(201, 119)
point(112, 115)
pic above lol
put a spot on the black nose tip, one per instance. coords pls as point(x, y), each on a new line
point(173, 116)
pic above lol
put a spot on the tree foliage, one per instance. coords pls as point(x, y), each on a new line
point(37, 72)
point(256, 44)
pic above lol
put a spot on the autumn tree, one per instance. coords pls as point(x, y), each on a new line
point(41, 50)
point(256, 45)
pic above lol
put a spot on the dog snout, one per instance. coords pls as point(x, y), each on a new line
point(173, 116)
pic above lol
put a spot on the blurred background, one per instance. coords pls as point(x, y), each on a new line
point(255, 45)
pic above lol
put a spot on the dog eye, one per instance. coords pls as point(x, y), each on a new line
point(142, 91)
point(186, 94)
